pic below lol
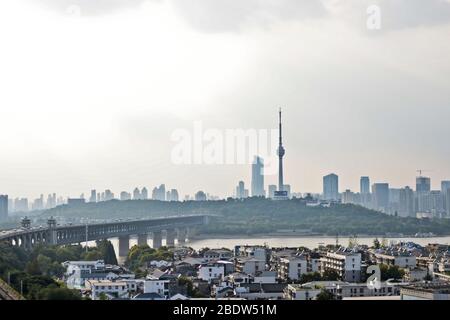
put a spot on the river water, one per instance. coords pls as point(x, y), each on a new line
point(309, 242)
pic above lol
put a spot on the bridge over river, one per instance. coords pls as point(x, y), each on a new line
point(172, 227)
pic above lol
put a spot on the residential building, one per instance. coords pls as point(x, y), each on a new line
point(347, 263)
point(331, 187)
point(380, 197)
point(111, 289)
point(200, 196)
point(211, 271)
point(292, 268)
point(423, 184)
point(426, 291)
point(3, 207)
point(406, 203)
point(250, 265)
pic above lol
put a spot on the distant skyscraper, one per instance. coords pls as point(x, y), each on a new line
point(108, 195)
point(136, 194)
point(406, 203)
point(447, 202)
point(241, 192)
point(124, 196)
point(331, 187)
point(380, 197)
point(423, 184)
point(144, 194)
point(3, 207)
point(21, 205)
point(200, 196)
point(172, 195)
point(271, 191)
point(159, 193)
point(445, 185)
point(365, 185)
point(258, 177)
point(93, 197)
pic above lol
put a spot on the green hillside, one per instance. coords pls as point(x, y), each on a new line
point(262, 216)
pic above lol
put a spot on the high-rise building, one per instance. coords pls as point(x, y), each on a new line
point(447, 202)
point(380, 197)
point(445, 185)
point(3, 207)
point(331, 187)
point(258, 177)
point(406, 203)
point(38, 204)
point(272, 190)
point(423, 184)
point(241, 192)
point(124, 196)
point(108, 195)
point(159, 193)
point(172, 195)
point(93, 197)
point(136, 194)
point(364, 185)
point(21, 205)
point(200, 196)
point(144, 194)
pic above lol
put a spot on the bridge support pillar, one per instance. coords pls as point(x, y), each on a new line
point(124, 246)
point(157, 239)
point(142, 239)
point(182, 232)
point(170, 237)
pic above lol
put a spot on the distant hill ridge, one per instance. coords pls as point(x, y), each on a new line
point(259, 216)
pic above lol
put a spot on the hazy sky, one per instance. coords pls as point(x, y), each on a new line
point(91, 90)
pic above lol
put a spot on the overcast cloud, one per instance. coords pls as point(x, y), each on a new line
point(91, 102)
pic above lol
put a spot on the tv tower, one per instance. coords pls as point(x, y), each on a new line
point(281, 153)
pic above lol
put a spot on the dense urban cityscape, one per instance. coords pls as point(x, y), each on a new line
point(224, 159)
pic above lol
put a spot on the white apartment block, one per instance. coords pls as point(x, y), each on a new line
point(250, 265)
point(160, 287)
point(211, 271)
point(111, 289)
point(404, 261)
point(292, 268)
point(346, 263)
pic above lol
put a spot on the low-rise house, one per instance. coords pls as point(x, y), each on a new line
point(301, 292)
point(265, 277)
point(89, 266)
point(217, 254)
point(416, 274)
point(150, 296)
point(426, 291)
point(250, 265)
point(259, 291)
point(211, 271)
point(158, 286)
point(396, 258)
point(347, 263)
point(292, 268)
point(109, 289)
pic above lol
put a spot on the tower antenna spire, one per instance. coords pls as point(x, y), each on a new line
point(281, 153)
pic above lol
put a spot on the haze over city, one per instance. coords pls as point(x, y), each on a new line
point(107, 83)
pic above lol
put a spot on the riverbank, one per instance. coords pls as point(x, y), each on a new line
point(199, 237)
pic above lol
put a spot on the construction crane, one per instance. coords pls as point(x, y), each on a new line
point(420, 171)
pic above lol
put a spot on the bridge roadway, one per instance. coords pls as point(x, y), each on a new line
point(173, 227)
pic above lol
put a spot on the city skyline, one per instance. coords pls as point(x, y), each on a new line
point(103, 118)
